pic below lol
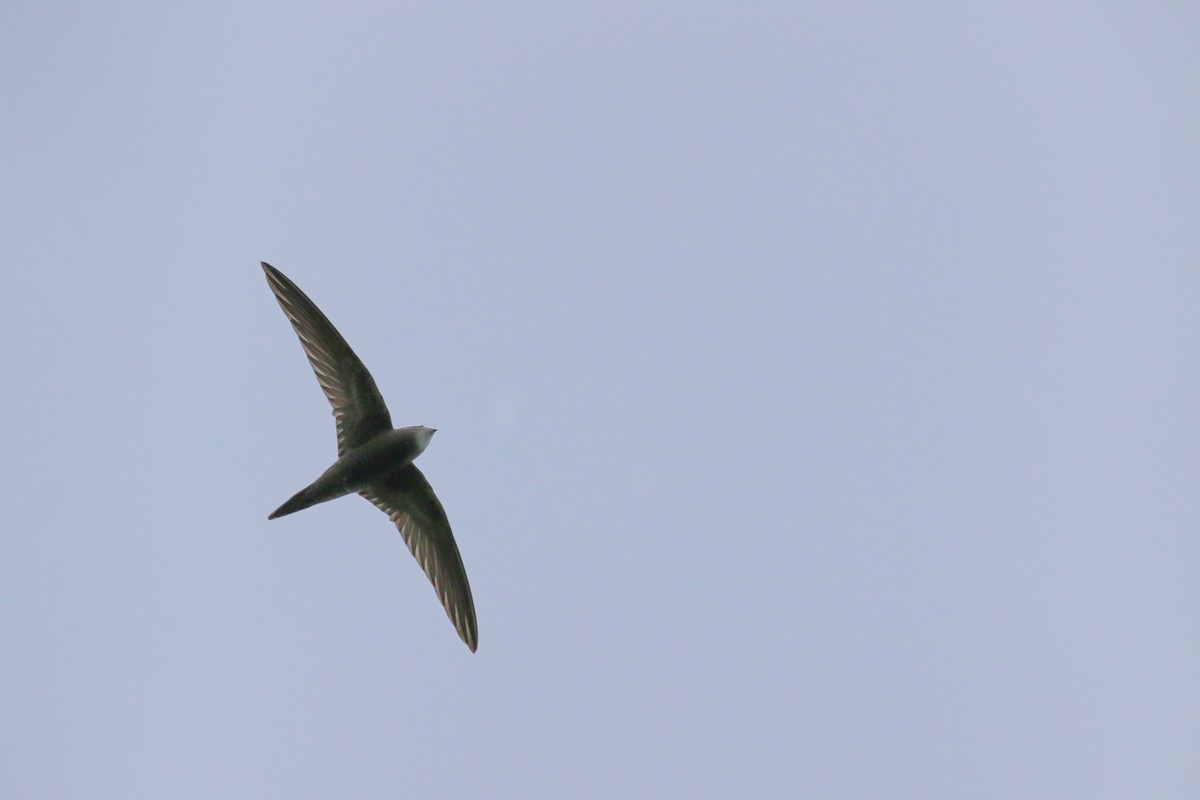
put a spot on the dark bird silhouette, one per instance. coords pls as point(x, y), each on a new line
point(375, 459)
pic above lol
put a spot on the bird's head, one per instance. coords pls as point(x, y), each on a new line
point(422, 435)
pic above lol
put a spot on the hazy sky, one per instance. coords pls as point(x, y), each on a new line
point(817, 391)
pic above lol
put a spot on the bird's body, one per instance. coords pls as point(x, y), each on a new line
point(375, 459)
point(356, 470)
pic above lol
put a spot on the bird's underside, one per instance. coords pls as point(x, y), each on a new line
point(374, 459)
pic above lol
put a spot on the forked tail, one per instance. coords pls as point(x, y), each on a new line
point(300, 501)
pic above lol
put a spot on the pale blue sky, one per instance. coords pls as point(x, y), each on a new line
point(817, 392)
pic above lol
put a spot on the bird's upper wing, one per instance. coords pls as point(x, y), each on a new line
point(408, 499)
point(358, 407)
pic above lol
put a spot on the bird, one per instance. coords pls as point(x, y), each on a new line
point(374, 459)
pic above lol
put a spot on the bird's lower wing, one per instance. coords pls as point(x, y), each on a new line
point(408, 499)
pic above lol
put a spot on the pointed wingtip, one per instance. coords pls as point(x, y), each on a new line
point(469, 633)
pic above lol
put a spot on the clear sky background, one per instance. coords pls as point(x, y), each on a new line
point(817, 391)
